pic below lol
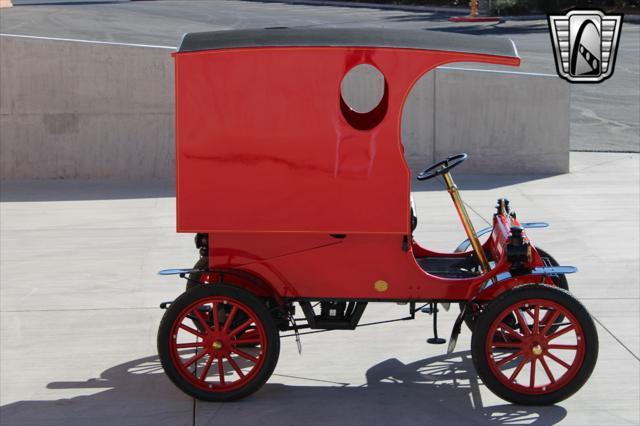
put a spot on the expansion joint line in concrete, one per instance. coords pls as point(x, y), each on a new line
point(616, 338)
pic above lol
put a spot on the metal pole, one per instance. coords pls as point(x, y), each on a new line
point(466, 222)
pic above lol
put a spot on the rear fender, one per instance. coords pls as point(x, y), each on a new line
point(248, 281)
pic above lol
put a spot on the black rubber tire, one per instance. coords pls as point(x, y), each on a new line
point(558, 280)
point(199, 292)
point(534, 291)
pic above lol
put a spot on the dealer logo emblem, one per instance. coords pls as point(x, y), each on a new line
point(585, 43)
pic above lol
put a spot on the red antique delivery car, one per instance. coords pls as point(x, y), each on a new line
point(298, 200)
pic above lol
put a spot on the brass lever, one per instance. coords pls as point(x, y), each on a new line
point(466, 222)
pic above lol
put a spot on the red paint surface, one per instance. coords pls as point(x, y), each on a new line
point(269, 166)
point(475, 19)
point(263, 146)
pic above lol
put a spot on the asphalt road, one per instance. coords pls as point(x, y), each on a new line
point(605, 117)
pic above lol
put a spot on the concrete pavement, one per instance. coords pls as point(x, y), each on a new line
point(604, 117)
point(79, 296)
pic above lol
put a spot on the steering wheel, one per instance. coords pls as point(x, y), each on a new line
point(442, 166)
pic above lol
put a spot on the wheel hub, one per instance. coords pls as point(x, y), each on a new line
point(217, 345)
point(537, 350)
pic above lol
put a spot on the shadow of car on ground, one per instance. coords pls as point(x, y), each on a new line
point(436, 390)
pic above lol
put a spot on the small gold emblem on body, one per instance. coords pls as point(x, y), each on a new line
point(381, 286)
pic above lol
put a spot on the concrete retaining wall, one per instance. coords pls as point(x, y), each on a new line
point(511, 123)
point(86, 110)
point(516, 123)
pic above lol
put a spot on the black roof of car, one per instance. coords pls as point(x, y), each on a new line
point(348, 37)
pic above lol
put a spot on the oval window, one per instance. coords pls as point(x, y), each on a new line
point(363, 96)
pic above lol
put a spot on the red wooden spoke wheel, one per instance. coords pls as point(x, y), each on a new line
point(534, 346)
point(546, 357)
point(218, 342)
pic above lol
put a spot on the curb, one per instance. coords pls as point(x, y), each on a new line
point(454, 11)
point(363, 5)
point(475, 19)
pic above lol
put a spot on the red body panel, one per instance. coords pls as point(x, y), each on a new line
point(269, 165)
point(263, 146)
point(347, 268)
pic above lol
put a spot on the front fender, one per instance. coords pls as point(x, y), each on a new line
point(505, 281)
